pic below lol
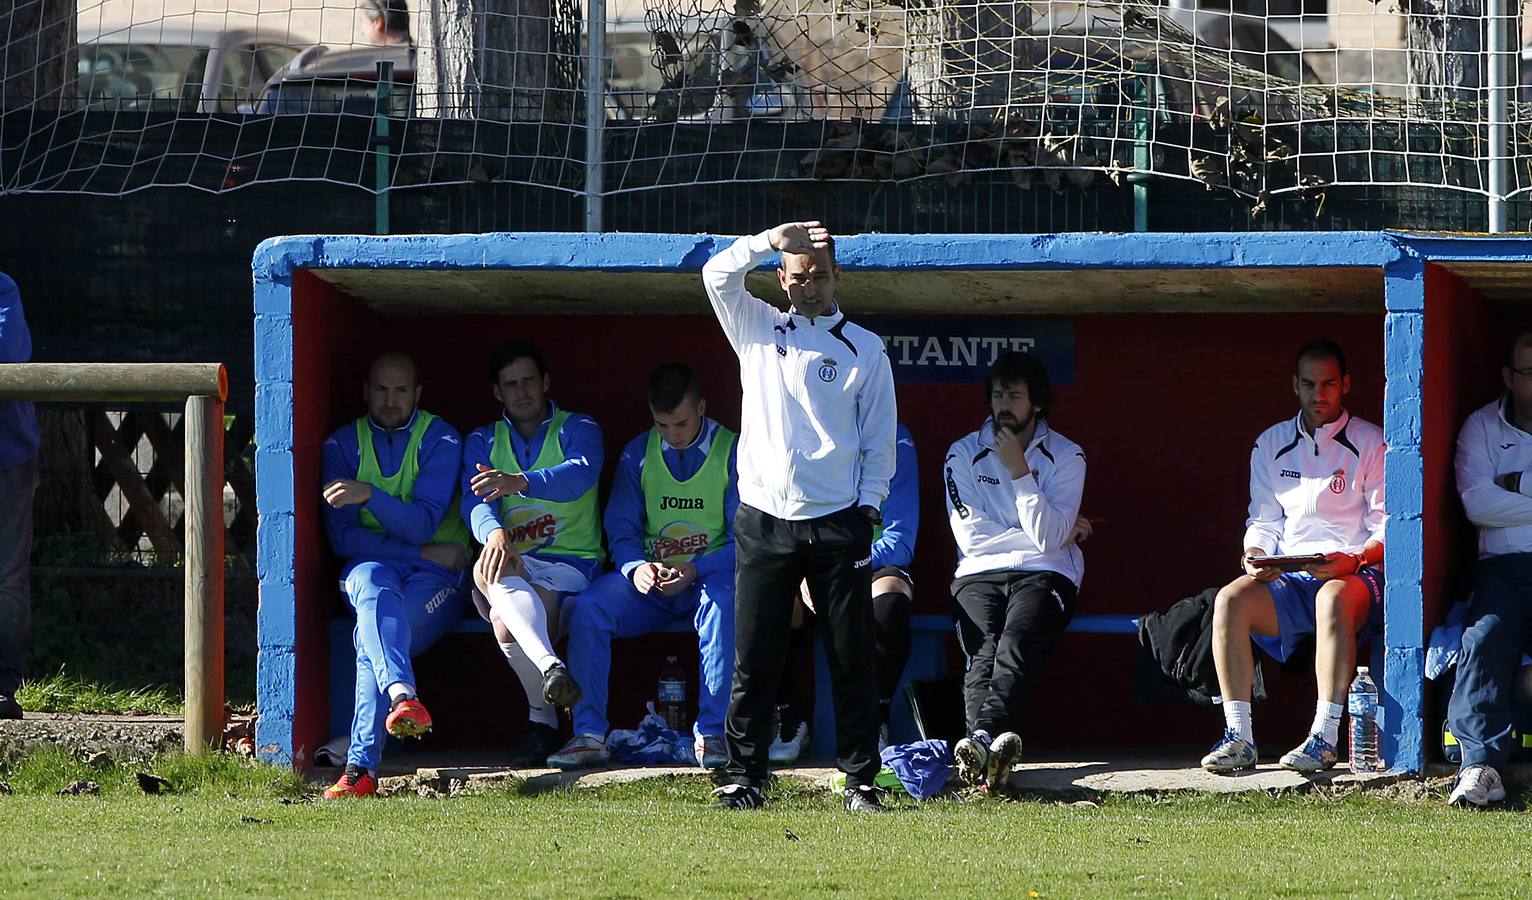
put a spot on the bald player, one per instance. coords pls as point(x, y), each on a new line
point(389, 483)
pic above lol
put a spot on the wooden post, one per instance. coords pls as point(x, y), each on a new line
point(205, 386)
point(106, 382)
point(204, 573)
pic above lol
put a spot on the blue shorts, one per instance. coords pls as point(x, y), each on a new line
point(1293, 594)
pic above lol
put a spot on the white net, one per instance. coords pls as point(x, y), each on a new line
point(1261, 97)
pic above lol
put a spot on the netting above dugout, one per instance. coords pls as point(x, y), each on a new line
point(1269, 97)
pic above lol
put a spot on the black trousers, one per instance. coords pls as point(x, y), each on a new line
point(1008, 624)
point(834, 554)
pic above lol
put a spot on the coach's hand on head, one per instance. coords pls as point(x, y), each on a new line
point(492, 484)
point(1262, 574)
point(347, 492)
point(799, 237)
point(498, 560)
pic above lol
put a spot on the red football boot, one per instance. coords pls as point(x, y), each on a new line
point(354, 782)
point(408, 719)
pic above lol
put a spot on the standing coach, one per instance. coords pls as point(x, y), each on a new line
point(816, 456)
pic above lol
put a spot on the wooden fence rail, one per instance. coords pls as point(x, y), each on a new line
point(204, 387)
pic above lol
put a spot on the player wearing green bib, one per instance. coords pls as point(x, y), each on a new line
point(389, 479)
point(669, 524)
point(529, 496)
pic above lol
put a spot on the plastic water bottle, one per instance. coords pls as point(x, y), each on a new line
point(1362, 706)
point(672, 695)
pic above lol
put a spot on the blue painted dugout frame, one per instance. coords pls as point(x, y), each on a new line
point(1402, 259)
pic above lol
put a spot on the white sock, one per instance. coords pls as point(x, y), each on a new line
point(1326, 721)
point(531, 680)
point(1236, 718)
point(400, 690)
point(521, 612)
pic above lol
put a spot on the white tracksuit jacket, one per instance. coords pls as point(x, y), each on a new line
point(1316, 494)
point(818, 419)
point(1020, 525)
point(1490, 446)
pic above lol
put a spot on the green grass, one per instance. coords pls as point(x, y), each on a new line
point(64, 693)
point(232, 832)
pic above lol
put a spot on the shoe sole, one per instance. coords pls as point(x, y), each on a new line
point(1465, 803)
point(1000, 767)
point(1219, 769)
point(972, 767)
point(566, 765)
point(1305, 770)
point(407, 728)
point(564, 692)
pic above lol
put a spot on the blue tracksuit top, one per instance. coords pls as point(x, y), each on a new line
point(625, 509)
point(18, 420)
point(406, 526)
point(584, 456)
point(901, 511)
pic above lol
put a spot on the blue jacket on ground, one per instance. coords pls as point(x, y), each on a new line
point(18, 420)
point(624, 519)
point(901, 511)
point(584, 455)
point(406, 526)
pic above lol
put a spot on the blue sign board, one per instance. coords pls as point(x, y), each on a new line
point(960, 350)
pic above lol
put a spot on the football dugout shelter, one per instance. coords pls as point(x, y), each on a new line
point(1170, 353)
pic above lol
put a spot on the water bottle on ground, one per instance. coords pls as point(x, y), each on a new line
point(1362, 706)
point(672, 695)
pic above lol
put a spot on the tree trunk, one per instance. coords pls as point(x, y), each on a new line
point(1446, 40)
point(963, 57)
point(517, 60)
point(37, 54)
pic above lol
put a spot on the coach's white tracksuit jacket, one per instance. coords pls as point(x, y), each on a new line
point(1316, 494)
point(1002, 524)
point(817, 418)
point(1488, 447)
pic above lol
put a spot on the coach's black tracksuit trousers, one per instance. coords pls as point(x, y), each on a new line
point(833, 554)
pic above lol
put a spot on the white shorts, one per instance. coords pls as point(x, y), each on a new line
point(561, 578)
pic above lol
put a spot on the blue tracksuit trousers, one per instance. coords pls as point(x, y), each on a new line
point(612, 608)
point(402, 608)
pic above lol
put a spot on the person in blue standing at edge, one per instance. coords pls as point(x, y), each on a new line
point(669, 525)
point(1494, 457)
point(389, 483)
point(893, 590)
point(18, 484)
point(529, 497)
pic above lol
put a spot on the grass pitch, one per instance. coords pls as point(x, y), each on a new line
point(230, 826)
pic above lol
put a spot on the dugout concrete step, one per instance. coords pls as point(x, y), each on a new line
point(447, 772)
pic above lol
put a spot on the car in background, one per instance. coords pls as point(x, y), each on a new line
point(331, 80)
point(166, 67)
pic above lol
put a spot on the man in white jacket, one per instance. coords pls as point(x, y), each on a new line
point(816, 453)
point(1013, 497)
point(1494, 458)
point(1316, 488)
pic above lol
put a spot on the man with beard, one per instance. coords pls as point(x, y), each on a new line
point(1316, 487)
point(1013, 498)
point(404, 548)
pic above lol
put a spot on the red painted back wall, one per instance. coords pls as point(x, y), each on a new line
point(1166, 407)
